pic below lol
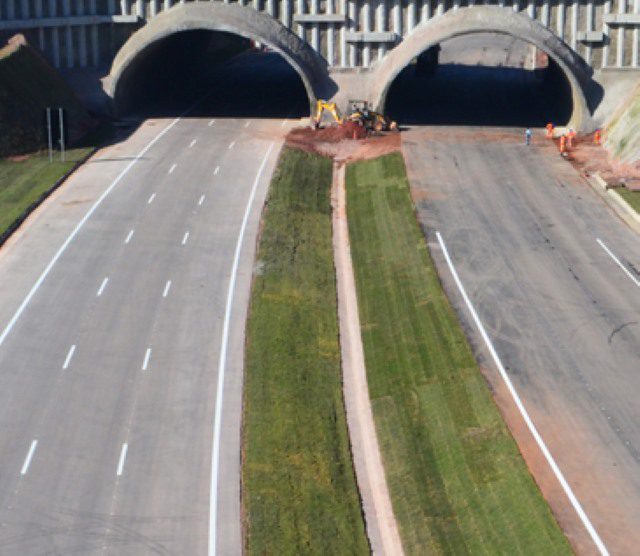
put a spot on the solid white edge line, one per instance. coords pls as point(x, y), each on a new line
point(618, 262)
point(129, 236)
point(215, 172)
point(167, 287)
point(153, 196)
point(525, 415)
point(173, 167)
point(27, 460)
point(70, 353)
point(102, 287)
point(185, 238)
point(123, 456)
point(75, 231)
point(222, 363)
point(201, 201)
point(147, 356)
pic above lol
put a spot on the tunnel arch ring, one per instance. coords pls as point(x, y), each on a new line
point(492, 19)
point(230, 18)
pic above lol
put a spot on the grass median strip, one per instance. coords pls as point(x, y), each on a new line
point(631, 197)
point(299, 489)
point(457, 480)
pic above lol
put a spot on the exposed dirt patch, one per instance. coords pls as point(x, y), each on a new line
point(589, 158)
point(18, 158)
point(339, 142)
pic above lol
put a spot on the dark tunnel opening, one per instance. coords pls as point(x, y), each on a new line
point(483, 79)
point(229, 75)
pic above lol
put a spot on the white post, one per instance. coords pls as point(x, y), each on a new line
point(606, 30)
point(622, 8)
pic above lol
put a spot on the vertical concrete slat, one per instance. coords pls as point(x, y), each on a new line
point(55, 43)
point(315, 28)
point(112, 7)
point(575, 6)
point(622, 8)
point(440, 8)
point(426, 10)
point(365, 14)
point(25, 9)
point(606, 30)
point(167, 4)
point(300, 11)
point(124, 7)
point(546, 13)
point(353, 23)
point(331, 36)
point(140, 9)
point(271, 8)
point(11, 9)
point(381, 25)
point(412, 14)
point(343, 30)
point(286, 13)
point(561, 18)
point(456, 4)
point(531, 9)
point(636, 37)
point(588, 51)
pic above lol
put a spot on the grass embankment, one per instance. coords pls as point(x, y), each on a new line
point(299, 490)
point(631, 197)
point(24, 180)
point(457, 480)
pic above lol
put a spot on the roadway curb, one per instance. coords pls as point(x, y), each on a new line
point(43, 197)
point(613, 199)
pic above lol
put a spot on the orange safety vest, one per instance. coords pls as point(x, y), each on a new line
point(549, 127)
point(563, 144)
point(597, 136)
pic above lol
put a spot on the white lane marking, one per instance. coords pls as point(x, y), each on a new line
point(173, 167)
point(147, 356)
point(167, 287)
point(129, 236)
point(525, 415)
point(185, 238)
point(193, 143)
point(78, 227)
point(232, 144)
point(201, 201)
point(618, 262)
point(247, 123)
point(222, 363)
point(153, 196)
point(215, 172)
point(27, 460)
point(102, 286)
point(284, 122)
point(211, 122)
point(123, 456)
point(70, 353)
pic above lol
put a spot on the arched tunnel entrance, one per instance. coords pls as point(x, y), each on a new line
point(238, 78)
point(486, 79)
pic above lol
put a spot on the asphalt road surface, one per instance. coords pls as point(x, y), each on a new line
point(524, 232)
point(109, 373)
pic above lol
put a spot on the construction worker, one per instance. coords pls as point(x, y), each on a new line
point(570, 137)
point(527, 137)
point(597, 136)
point(563, 144)
point(549, 127)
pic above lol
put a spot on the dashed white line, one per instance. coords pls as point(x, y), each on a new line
point(167, 287)
point(185, 238)
point(200, 201)
point(247, 123)
point(222, 363)
point(27, 460)
point(193, 143)
point(153, 196)
point(123, 457)
point(129, 236)
point(102, 286)
point(211, 122)
point(232, 144)
point(70, 353)
point(147, 356)
point(284, 122)
point(215, 172)
point(525, 415)
point(173, 167)
point(618, 262)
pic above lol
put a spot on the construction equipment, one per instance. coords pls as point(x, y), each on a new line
point(372, 121)
point(321, 107)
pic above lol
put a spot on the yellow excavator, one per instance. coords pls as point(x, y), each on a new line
point(360, 113)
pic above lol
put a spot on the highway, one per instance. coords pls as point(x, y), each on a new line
point(116, 300)
point(536, 250)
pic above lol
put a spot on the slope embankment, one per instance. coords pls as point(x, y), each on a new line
point(28, 85)
point(623, 132)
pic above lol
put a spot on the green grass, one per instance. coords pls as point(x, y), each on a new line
point(23, 182)
point(457, 480)
point(632, 197)
point(299, 490)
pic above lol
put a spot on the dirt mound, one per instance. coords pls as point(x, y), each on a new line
point(346, 142)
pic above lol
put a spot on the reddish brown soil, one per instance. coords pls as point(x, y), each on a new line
point(338, 142)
